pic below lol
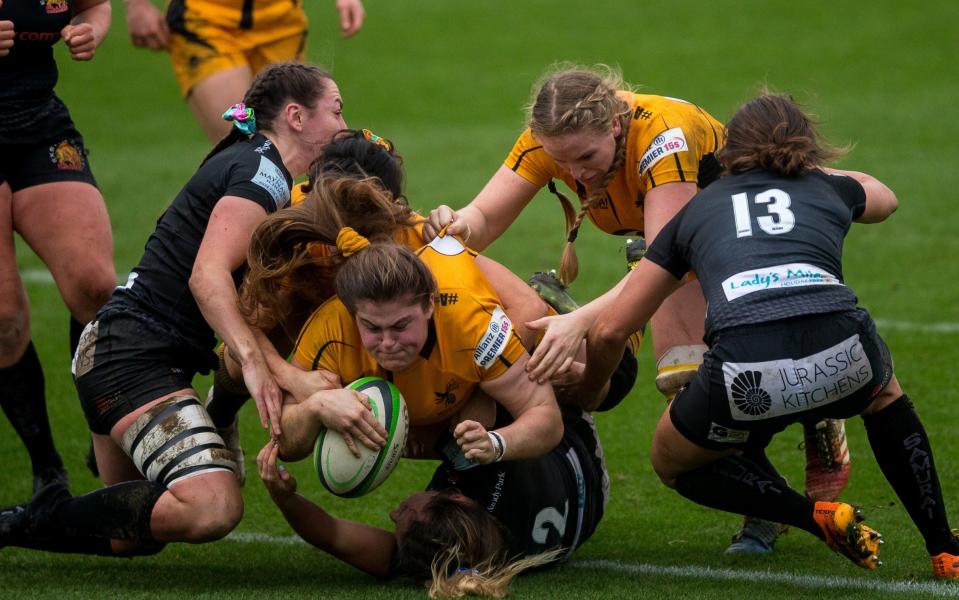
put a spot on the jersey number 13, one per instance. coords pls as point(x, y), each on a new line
point(776, 220)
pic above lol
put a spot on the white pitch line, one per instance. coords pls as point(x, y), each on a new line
point(942, 590)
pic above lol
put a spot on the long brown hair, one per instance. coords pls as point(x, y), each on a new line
point(773, 133)
point(573, 99)
point(282, 260)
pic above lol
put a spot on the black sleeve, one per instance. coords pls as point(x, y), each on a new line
point(259, 180)
point(851, 192)
point(666, 249)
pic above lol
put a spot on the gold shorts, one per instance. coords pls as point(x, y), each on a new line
point(209, 36)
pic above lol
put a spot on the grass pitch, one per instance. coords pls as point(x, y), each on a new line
point(446, 82)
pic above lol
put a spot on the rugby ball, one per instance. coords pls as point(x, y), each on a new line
point(339, 470)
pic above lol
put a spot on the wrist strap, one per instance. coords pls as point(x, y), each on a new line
point(499, 445)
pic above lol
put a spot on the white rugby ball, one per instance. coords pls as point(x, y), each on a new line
point(339, 470)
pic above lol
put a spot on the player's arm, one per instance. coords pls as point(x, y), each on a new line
point(537, 426)
point(147, 25)
point(7, 35)
point(87, 29)
point(367, 548)
point(520, 301)
point(223, 250)
point(484, 219)
point(880, 200)
point(645, 289)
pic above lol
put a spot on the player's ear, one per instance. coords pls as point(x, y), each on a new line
point(295, 115)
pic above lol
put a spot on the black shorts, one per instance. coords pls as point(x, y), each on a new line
point(756, 380)
point(125, 360)
point(61, 157)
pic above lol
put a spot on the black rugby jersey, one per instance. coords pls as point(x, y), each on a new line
point(556, 500)
point(159, 285)
point(764, 247)
point(29, 110)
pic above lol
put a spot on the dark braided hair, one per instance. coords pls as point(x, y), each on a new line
point(270, 92)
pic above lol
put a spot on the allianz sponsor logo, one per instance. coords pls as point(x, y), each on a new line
point(494, 340)
point(777, 388)
point(777, 277)
point(668, 142)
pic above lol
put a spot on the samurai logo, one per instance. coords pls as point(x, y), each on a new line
point(747, 394)
point(55, 6)
point(66, 156)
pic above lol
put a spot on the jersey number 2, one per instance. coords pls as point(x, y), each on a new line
point(779, 219)
point(550, 517)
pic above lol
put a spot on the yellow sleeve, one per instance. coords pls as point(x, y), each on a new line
point(530, 161)
point(498, 347)
point(676, 145)
point(297, 195)
point(322, 338)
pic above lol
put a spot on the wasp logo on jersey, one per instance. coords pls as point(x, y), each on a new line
point(493, 342)
point(447, 398)
point(668, 142)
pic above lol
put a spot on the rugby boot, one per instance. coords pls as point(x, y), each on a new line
point(756, 536)
point(552, 291)
point(49, 476)
point(635, 250)
point(846, 534)
point(945, 566)
point(827, 459)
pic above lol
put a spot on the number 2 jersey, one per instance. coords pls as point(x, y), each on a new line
point(470, 340)
point(764, 247)
point(554, 501)
point(669, 140)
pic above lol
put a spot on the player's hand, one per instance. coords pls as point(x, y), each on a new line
point(473, 440)
point(556, 351)
point(147, 25)
point(348, 413)
point(81, 40)
point(443, 216)
point(7, 35)
point(278, 481)
point(266, 394)
point(569, 377)
point(351, 16)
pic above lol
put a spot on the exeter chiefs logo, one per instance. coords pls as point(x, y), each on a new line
point(748, 396)
point(55, 6)
point(66, 156)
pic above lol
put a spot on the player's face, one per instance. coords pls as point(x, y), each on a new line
point(325, 118)
point(587, 155)
point(413, 509)
point(393, 332)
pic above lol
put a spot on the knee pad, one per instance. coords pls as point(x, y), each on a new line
point(175, 440)
point(677, 367)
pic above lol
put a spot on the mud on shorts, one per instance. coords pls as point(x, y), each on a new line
point(127, 359)
point(61, 157)
point(758, 379)
point(207, 38)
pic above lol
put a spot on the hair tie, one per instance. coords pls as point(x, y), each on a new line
point(349, 242)
point(375, 139)
point(242, 117)
point(467, 570)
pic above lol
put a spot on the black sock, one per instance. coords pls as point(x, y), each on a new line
point(738, 484)
point(76, 328)
point(57, 522)
point(22, 399)
point(902, 450)
point(227, 397)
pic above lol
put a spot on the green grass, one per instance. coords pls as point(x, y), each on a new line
point(446, 81)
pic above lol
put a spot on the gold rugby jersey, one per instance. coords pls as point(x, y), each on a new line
point(470, 339)
point(669, 140)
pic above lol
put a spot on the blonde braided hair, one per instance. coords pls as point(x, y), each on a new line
point(573, 99)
